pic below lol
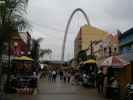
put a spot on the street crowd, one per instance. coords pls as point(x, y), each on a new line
point(108, 87)
point(69, 77)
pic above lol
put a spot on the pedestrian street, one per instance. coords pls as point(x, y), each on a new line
point(60, 91)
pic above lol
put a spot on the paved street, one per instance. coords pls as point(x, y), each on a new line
point(60, 91)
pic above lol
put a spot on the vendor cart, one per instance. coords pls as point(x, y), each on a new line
point(88, 71)
point(22, 77)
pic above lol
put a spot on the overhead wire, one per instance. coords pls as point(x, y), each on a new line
point(43, 29)
point(49, 27)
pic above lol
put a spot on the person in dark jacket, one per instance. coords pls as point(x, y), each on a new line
point(100, 81)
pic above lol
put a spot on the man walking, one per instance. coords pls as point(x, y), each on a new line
point(100, 81)
point(61, 75)
point(50, 75)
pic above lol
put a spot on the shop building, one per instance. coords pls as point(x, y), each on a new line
point(85, 37)
point(126, 41)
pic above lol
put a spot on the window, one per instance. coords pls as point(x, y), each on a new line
point(105, 49)
point(110, 51)
point(115, 50)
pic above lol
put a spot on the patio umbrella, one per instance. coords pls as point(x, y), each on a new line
point(114, 62)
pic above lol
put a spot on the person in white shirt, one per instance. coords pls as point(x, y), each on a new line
point(53, 75)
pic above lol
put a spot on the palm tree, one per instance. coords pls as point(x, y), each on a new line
point(36, 48)
point(44, 52)
point(12, 18)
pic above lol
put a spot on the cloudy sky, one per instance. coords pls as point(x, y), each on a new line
point(49, 18)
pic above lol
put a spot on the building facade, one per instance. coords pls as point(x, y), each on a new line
point(106, 47)
point(21, 44)
point(85, 36)
point(126, 41)
point(16, 45)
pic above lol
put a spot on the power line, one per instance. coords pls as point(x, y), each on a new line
point(47, 27)
point(53, 28)
point(53, 36)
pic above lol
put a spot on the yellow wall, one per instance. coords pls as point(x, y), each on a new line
point(89, 33)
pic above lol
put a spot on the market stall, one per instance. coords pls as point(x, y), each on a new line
point(88, 70)
point(112, 68)
point(22, 77)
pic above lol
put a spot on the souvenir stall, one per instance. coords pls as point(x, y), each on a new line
point(22, 78)
point(112, 68)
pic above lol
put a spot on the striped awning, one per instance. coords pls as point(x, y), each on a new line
point(115, 62)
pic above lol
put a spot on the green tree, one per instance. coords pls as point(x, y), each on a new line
point(12, 18)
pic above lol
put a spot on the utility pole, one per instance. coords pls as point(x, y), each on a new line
point(91, 45)
point(91, 48)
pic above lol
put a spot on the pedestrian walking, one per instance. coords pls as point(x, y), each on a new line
point(72, 79)
point(43, 74)
point(61, 75)
point(68, 77)
point(64, 76)
point(100, 82)
point(54, 74)
point(50, 75)
point(77, 78)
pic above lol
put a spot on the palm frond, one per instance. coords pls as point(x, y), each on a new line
point(12, 17)
point(45, 51)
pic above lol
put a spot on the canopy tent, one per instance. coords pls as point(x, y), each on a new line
point(90, 61)
point(23, 58)
point(114, 62)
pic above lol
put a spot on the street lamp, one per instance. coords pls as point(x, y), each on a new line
point(22, 52)
point(29, 53)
